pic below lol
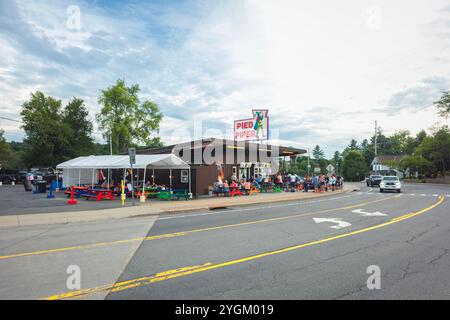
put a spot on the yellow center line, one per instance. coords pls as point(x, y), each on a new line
point(183, 233)
point(175, 273)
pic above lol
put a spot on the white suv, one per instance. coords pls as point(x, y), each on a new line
point(390, 183)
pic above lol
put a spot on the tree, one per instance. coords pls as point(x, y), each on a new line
point(436, 148)
point(75, 115)
point(124, 119)
point(401, 142)
point(318, 153)
point(353, 145)
point(46, 135)
point(368, 151)
point(6, 152)
point(414, 163)
point(337, 161)
point(354, 165)
point(443, 105)
point(54, 134)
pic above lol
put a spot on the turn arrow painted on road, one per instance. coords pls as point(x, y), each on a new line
point(370, 214)
point(340, 223)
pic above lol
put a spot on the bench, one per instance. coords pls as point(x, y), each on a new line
point(98, 194)
point(175, 194)
point(224, 192)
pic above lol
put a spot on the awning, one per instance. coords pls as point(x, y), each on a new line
point(154, 161)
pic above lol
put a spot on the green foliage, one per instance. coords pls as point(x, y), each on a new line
point(436, 148)
point(318, 153)
point(443, 105)
point(6, 152)
point(415, 163)
point(75, 116)
point(354, 165)
point(124, 119)
point(54, 134)
point(336, 161)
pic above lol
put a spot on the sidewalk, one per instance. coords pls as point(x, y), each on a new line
point(160, 207)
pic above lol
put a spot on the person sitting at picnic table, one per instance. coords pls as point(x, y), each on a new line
point(247, 186)
point(225, 186)
point(279, 180)
point(216, 187)
point(234, 184)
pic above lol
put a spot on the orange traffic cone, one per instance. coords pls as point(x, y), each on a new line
point(72, 197)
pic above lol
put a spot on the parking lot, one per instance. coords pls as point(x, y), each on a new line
point(15, 200)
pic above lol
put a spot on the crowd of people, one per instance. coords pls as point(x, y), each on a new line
point(284, 182)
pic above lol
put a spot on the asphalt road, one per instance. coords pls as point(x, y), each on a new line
point(288, 250)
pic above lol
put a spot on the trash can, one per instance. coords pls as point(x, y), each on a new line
point(42, 186)
point(27, 184)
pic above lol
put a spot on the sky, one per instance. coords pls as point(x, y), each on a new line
point(326, 70)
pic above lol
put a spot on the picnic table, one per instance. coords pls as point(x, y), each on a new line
point(235, 191)
point(221, 191)
point(253, 190)
point(266, 187)
point(173, 194)
point(98, 194)
point(77, 190)
point(148, 192)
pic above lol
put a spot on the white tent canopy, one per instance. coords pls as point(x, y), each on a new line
point(84, 170)
point(153, 161)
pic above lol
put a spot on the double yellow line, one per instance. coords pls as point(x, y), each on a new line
point(179, 234)
point(176, 273)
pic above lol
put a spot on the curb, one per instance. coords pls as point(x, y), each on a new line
point(207, 208)
point(26, 220)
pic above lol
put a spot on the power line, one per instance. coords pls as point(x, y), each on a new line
point(5, 118)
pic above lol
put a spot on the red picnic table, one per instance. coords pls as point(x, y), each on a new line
point(77, 190)
point(99, 194)
point(235, 191)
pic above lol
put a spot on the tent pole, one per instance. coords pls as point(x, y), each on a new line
point(92, 186)
point(68, 178)
point(190, 191)
point(79, 176)
point(170, 178)
point(153, 175)
point(143, 180)
point(108, 179)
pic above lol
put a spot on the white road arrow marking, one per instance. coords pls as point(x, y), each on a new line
point(370, 214)
point(341, 224)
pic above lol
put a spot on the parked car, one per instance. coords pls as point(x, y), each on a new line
point(374, 180)
point(7, 178)
point(391, 183)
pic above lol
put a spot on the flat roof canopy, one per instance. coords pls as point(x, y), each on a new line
point(281, 151)
point(154, 161)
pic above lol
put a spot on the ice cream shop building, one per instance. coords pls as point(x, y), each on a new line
point(240, 159)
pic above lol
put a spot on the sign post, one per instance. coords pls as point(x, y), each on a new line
point(132, 154)
point(330, 168)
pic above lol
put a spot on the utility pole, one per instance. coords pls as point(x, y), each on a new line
point(308, 163)
point(110, 140)
point(376, 154)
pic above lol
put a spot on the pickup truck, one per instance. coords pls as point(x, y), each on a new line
point(374, 180)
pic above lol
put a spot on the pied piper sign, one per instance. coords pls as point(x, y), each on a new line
point(256, 128)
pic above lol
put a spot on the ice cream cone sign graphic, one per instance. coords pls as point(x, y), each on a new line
point(260, 123)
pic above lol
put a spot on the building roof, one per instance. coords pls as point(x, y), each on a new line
point(385, 158)
point(281, 150)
